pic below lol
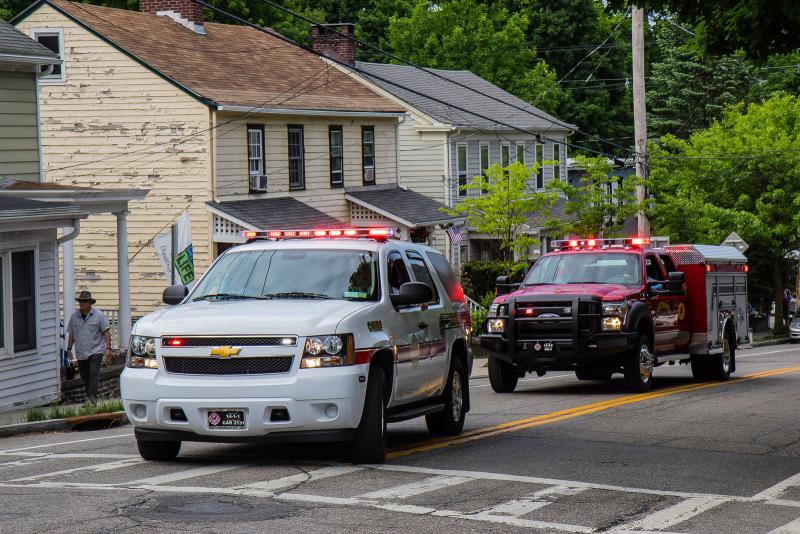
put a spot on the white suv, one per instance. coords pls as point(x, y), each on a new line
point(322, 335)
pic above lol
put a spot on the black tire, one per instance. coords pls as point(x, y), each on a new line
point(700, 368)
point(593, 374)
point(639, 365)
point(369, 445)
point(502, 376)
point(450, 421)
point(158, 451)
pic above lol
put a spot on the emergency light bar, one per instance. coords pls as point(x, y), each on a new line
point(372, 233)
point(590, 244)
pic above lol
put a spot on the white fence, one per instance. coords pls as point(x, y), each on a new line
point(113, 322)
point(474, 306)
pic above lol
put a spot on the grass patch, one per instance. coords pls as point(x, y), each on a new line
point(64, 412)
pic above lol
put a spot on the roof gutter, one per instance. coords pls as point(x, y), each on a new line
point(320, 112)
point(76, 229)
point(41, 60)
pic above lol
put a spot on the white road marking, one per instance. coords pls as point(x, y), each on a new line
point(530, 503)
point(683, 511)
point(775, 491)
point(60, 455)
point(788, 528)
point(515, 521)
point(530, 380)
point(116, 436)
point(183, 475)
point(97, 468)
point(416, 488)
point(270, 486)
point(767, 353)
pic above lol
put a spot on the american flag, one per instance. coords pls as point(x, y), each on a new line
point(455, 235)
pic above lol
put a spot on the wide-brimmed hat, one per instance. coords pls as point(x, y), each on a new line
point(85, 295)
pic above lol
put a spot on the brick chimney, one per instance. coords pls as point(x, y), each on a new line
point(331, 44)
point(185, 12)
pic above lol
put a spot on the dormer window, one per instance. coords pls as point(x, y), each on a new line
point(53, 39)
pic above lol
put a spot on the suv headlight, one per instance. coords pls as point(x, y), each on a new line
point(614, 316)
point(142, 353)
point(327, 351)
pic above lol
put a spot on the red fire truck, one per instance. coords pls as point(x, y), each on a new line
point(604, 306)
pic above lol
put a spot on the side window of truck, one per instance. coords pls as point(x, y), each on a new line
point(669, 265)
point(653, 269)
point(398, 274)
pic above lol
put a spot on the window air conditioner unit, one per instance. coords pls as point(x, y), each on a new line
point(258, 183)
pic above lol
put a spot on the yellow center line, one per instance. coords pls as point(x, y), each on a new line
point(571, 413)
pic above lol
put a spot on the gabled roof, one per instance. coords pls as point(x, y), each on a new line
point(228, 66)
point(402, 205)
point(284, 213)
point(462, 97)
point(15, 43)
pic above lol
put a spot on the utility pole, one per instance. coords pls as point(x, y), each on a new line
point(639, 115)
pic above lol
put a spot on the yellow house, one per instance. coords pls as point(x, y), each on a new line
point(239, 127)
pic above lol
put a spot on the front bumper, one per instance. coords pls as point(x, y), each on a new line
point(317, 400)
point(599, 351)
point(794, 334)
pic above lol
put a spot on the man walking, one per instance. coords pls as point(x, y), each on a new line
point(90, 334)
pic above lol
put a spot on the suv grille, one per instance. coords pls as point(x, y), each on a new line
point(273, 341)
point(232, 366)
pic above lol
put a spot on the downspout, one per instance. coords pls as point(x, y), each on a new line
point(76, 229)
point(400, 120)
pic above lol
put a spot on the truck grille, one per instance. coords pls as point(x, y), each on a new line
point(241, 341)
point(233, 366)
point(553, 320)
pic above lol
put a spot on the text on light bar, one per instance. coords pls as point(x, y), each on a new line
point(374, 233)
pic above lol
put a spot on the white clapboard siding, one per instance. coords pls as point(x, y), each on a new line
point(423, 159)
point(33, 378)
point(19, 144)
point(110, 106)
point(232, 171)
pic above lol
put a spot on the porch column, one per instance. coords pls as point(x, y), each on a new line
point(68, 304)
point(123, 280)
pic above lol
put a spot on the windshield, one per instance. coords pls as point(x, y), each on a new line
point(593, 268)
point(274, 274)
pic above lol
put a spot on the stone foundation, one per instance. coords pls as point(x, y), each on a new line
point(74, 392)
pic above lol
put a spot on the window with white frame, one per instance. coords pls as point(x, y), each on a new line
point(540, 170)
point(557, 160)
point(53, 39)
point(18, 294)
point(255, 150)
point(368, 154)
point(505, 155)
point(461, 169)
point(521, 153)
point(336, 148)
point(297, 154)
point(484, 163)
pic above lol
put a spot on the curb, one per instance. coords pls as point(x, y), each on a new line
point(55, 425)
point(771, 342)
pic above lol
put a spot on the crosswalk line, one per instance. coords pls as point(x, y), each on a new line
point(788, 528)
point(416, 488)
point(97, 468)
point(185, 474)
point(678, 513)
point(776, 490)
point(530, 503)
point(300, 478)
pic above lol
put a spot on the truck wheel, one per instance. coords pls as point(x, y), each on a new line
point(639, 365)
point(158, 451)
point(450, 421)
point(700, 368)
point(593, 374)
point(369, 446)
point(721, 364)
point(502, 376)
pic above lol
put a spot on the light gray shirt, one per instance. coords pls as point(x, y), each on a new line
point(88, 333)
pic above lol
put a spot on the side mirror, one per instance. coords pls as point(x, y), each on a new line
point(412, 293)
point(175, 294)
point(502, 285)
point(677, 280)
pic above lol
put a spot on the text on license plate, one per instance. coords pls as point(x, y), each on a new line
point(226, 418)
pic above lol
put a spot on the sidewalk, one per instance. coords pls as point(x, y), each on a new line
point(480, 368)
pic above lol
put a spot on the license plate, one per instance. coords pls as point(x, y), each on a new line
point(548, 347)
point(225, 419)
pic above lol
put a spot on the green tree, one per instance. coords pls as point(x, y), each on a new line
point(598, 206)
point(686, 93)
point(506, 208)
point(742, 174)
point(759, 27)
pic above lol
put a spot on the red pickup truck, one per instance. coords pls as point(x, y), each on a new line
point(604, 306)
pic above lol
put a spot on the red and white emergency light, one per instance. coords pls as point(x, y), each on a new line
point(591, 243)
point(371, 233)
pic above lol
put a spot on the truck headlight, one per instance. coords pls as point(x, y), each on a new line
point(614, 316)
point(142, 353)
point(496, 326)
point(327, 351)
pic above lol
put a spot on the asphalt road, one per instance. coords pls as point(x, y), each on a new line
point(557, 455)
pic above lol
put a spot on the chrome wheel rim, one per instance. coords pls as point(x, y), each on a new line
point(456, 400)
point(645, 363)
point(726, 356)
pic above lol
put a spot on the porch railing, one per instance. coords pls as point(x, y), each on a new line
point(474, 306)
point(113, 323)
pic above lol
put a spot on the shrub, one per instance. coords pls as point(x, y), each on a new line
point(34, 414)
point(478, 277)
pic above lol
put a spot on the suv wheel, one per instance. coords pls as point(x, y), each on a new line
point(639, 365)
point(450, 421)
point(593, 374)
point(502, 376)
point(369, 446)
point(158, 451)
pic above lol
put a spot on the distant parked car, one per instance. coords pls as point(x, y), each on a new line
point(794, 327)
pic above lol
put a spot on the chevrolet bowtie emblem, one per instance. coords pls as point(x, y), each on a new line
point(225, 352)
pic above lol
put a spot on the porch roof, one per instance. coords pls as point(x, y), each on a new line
point(403, 205)
point(273, 213)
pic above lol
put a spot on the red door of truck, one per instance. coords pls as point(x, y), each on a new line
point(663, 305)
